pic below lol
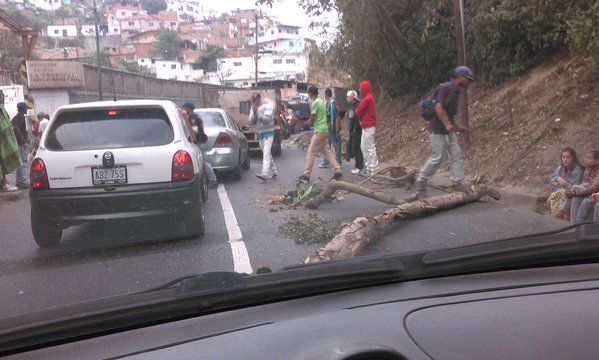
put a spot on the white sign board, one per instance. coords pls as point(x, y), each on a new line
point(13, 94)
point(57, 74)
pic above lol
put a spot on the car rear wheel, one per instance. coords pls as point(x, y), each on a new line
point(194, 219)
point(237, 171)
point(276, 144)
point(246, 163)
point(45, 234)
point(204, 186)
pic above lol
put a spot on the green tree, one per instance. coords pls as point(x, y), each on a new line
point(153, 6)
point(135, 68)
point(11, 51)
point(208, 61)
point(168, 44)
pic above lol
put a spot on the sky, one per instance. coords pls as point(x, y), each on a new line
point(288, 12)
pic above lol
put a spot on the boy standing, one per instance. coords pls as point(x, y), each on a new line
point(320, 140)
point(367, 113)
point(262, 116)
point(355, 132)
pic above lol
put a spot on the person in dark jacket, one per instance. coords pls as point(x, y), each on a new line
point(367, 113)
point(355, 132)
point(443, 132)
point(20, 128)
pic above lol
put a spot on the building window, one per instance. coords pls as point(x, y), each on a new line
point(173, 23)
point(237, 63)
point(174, 66)
point(291, 44)
point(142, 60)
point(116, 30)
point(131, 23)
point(290, 61)
point(244, 107)
point(151, 23)
point(277, 61)
point(56, 32)
point(153, 61)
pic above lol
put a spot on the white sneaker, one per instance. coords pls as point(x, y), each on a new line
point(9, 188)
point(355, 171)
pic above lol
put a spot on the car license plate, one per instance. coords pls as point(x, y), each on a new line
point(113, 175)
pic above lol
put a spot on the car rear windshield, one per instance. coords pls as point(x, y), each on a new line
point(212, 119)
point(109, 128)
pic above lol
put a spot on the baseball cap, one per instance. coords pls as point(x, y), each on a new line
point(464, 71)
point(22, 106)
point(353, 94)
point(189, 105)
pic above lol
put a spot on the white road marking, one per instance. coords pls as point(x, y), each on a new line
point(241, 259)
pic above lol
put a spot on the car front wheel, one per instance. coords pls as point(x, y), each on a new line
point(45, 234)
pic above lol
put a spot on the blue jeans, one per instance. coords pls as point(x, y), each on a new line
point(586, 205)
point(335, 141)
point(210, 173)
point(23, 171)
point(440, 145)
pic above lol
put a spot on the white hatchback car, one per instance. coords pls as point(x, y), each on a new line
point(116, 160)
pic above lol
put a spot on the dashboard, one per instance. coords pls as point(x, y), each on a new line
point(540, 313)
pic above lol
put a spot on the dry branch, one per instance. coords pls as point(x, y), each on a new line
point(335, 185)
point(363, 230)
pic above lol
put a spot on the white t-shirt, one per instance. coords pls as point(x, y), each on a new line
point(43, 125)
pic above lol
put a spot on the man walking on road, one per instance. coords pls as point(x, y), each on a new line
point(443, 132)
point(355, 132)
point(262, 116)
point(367, 113)
point(20, 128)
point(320, 139)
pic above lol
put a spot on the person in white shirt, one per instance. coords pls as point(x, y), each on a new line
point(44, 119)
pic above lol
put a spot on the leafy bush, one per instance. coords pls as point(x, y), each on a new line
point(583, 33)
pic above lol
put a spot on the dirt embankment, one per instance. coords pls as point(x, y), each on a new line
point(553, 106)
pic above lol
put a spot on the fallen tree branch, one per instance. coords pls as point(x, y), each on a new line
point(335, 185)
point(363, 230)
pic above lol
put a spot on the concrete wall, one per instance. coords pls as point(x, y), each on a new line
point(126, 86)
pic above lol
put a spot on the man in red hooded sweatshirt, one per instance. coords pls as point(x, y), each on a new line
point(367, 113)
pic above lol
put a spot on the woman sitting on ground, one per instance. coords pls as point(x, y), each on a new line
point(567, 174)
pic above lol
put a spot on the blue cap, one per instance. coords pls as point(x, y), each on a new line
point(189, 105)
point(464, 71)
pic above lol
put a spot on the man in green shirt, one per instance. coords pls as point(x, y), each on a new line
point(320, 140)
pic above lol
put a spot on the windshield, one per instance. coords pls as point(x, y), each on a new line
point(417, 126)
point(212, 119)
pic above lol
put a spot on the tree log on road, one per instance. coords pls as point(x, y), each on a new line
point(363, 230)
point(335, 185)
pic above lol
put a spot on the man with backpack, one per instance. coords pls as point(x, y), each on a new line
point(443, 131)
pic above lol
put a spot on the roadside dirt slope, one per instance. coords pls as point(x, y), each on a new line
point(553, 106)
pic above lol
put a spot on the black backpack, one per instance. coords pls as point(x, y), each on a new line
point(427, 104)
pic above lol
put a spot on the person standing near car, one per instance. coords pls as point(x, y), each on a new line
point(443, 132)
point(367, 113)
point(262, 117)
point(320, 139)
point(355, 132)
point(20, 129)
point(10, 157)
point(198, 128)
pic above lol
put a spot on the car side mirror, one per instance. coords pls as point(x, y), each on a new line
point(245, 128)
point(202, 139)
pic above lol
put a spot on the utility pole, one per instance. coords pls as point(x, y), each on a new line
point(256, 56)
point(458, 9)
point(98, 67)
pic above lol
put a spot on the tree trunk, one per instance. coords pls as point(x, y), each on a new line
point(363, 230)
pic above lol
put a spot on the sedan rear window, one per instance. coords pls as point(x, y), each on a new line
point(109, 128)
point(212, 119)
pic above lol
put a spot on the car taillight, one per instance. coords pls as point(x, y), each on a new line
point(223, 140)
point(38, 175)
point(182, 166)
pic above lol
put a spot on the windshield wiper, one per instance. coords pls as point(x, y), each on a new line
point(191, 296)
point(549, 247)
